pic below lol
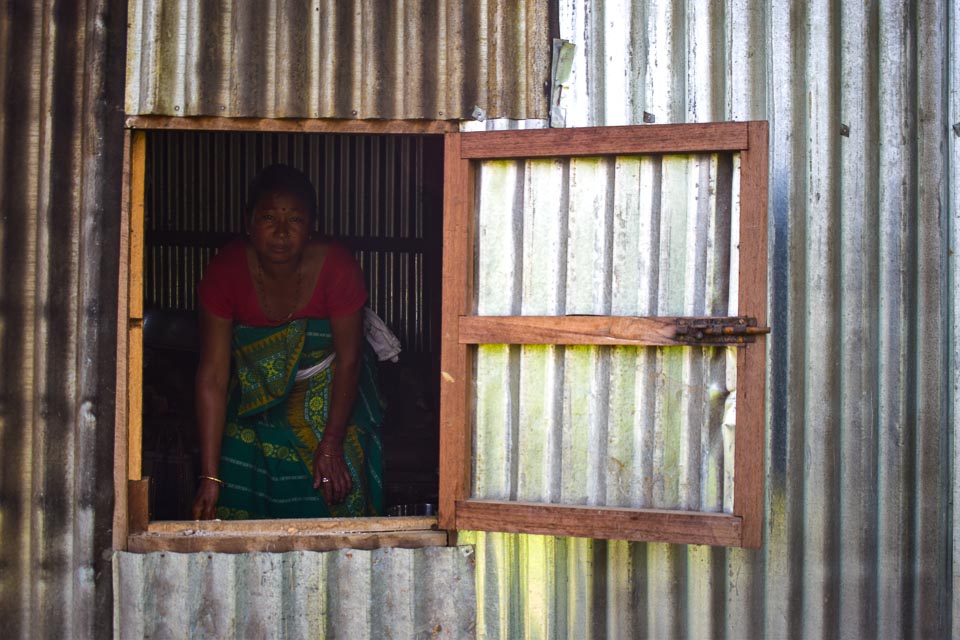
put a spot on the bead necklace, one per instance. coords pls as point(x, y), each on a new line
point(267, 310)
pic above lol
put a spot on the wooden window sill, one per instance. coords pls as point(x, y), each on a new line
point(274, 536)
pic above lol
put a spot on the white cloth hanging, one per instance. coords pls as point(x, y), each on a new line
point(384, 343)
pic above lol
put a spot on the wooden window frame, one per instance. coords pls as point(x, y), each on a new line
point(132, 528)
point(462, 329)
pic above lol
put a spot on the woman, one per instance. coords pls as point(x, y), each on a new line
point(290, 429)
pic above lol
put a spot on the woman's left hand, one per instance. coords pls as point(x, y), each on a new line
point(330, 465)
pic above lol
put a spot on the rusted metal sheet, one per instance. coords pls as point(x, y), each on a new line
point(331, 59)
point(61, 152)
point(387, 593)
point(857, 537)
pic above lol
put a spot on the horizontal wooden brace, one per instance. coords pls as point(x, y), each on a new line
point(282, 542)
point(316, 534)
point(291, 125)
point(605, 141)
point(611, 523)
point(304, 526)
point(658, 331)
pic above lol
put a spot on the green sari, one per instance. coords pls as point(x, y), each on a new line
point(274, 423)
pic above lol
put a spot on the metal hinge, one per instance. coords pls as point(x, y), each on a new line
point(732, 330)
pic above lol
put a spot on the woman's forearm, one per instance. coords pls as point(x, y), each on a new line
point(211, 413)
point(347, 344)
point(213, 375)
point(343, 393)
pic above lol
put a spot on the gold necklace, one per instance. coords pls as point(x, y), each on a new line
point(267, 310)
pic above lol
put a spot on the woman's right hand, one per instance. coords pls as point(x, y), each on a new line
point(205, 502)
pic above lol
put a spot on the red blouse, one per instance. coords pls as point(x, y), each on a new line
point(227, 289)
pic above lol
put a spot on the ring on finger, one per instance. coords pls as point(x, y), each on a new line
point(324, 480)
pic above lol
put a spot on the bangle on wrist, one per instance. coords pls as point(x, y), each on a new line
point(328, 445)
point(217, 480)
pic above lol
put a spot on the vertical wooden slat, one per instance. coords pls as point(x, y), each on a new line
point(139, 505)
point(455, 427)
point(137, 182)
point(751, 360)
point(120, 444)
point(135, 400)
point(135, 305)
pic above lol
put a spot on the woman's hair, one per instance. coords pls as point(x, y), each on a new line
point(282, 178)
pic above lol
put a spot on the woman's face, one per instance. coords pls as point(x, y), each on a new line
point(279, 227)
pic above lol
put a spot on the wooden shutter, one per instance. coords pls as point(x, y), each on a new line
point(462, 329)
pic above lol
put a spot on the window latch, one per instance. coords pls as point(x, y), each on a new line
point(727, 330)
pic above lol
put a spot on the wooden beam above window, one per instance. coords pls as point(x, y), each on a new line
point(291, 125)
point(601, 141)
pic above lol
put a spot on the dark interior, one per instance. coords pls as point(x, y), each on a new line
point(379, 195)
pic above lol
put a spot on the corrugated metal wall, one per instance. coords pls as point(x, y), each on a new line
point(333, 59)
point(61, 86)
point(387, 593)
point(625, 426)
point(857, 533)
point(858, 487)
point(953, 290)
